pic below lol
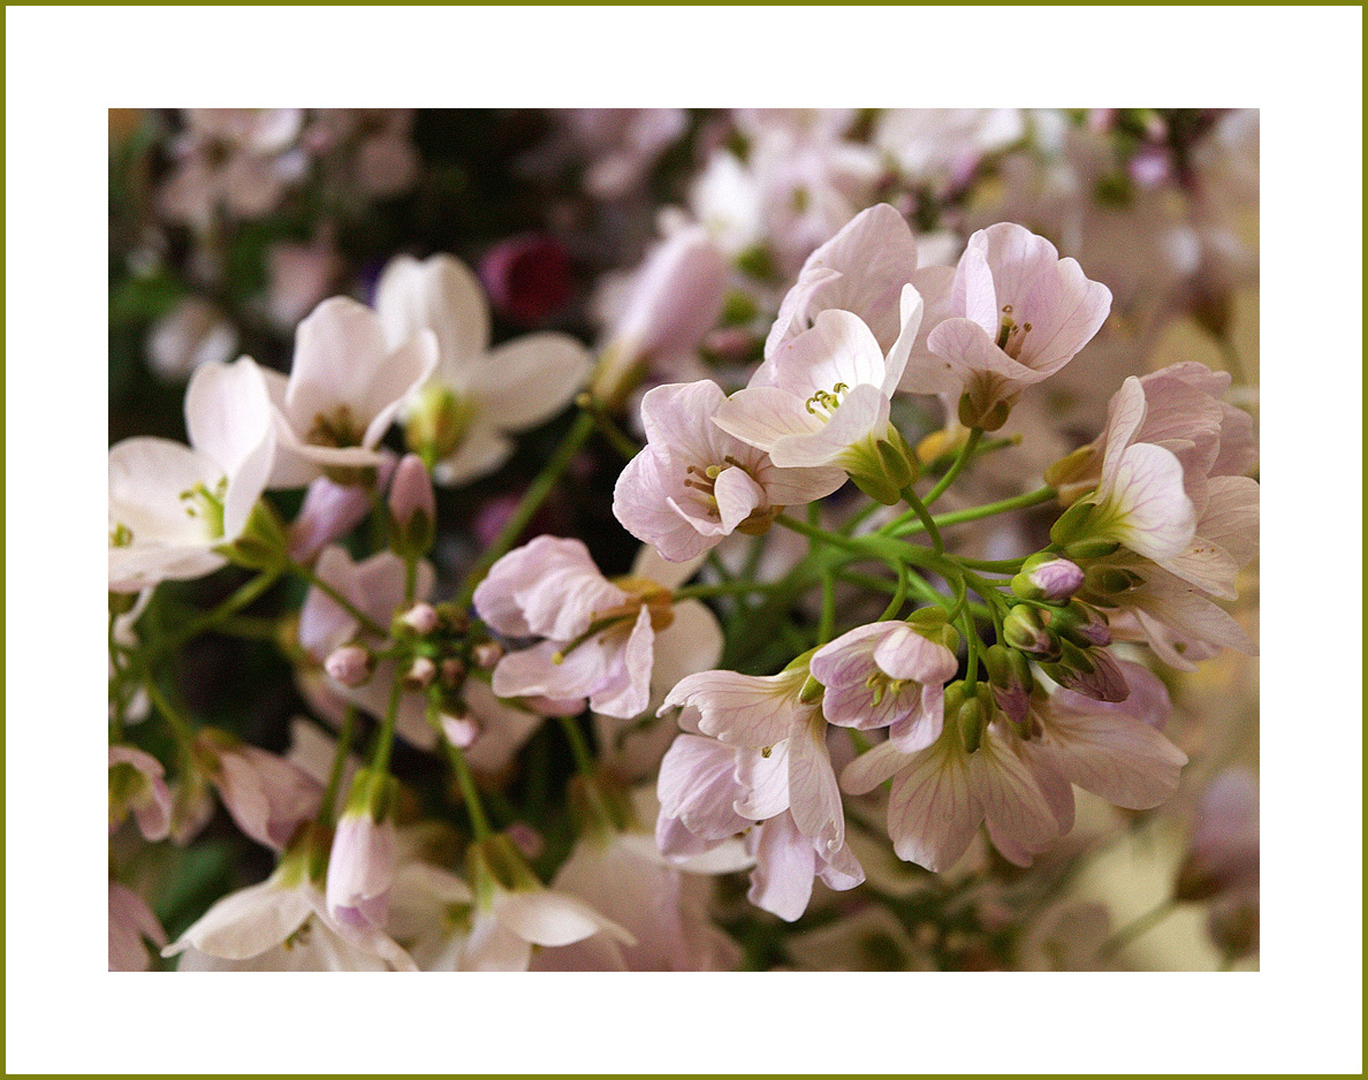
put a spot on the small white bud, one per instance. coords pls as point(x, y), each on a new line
point(351, 665)
point(421, 674)
point(422, 619)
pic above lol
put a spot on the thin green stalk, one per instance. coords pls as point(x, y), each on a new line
point(961, 459)
point(344, 741)
point(1139, 926)
point(928, 522)
point(479, 823)
point(530, 503)
point(180, 726)
point(627, 447)
point(903, 525)
point(235, 603)
point(384, 742)
point(899, 596)
point(859, 517)
point(579, 745)
point(827, 626)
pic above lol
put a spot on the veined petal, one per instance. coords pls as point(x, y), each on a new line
point(862, 413)
point(1148, 510)
point(747, 710)
point(814, 797)
point(764, 781)
point(762, 415)
point(785, 864)
point(933, 809)
point(872, 768)
point(1112, 755)
point(246, 923)
point(1020, 821)
point(440, 294)
point(737, 496)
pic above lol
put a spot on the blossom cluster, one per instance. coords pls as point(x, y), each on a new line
point(891, 619)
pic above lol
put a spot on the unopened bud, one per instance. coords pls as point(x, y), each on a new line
point(421, 619)
point(486, 654)
point(436, 422)
point(413, 508)
point(989, 414)
point(811, 693)
point(461, 729)
point(262, 544)
point(452, 672)
point(1093, 673)
point(526, 839)
point(1110, 581)
point(1023, 629)
point(1083, 625)
point(972, 718)
point(351, 665)
point(1234, 924)
point(420, 674)
point(1045, 576)
point(1009, 675)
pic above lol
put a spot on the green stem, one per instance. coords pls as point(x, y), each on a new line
point(827, 626)
point(180, 726)
point(1139, 926)
point(384, 742)
point(239, 600)
point(856, 519)
point(902, 526)
point(607, 427)
point(479, 823)
point(344, 740)
point(962, 459)
point(369, 624)
point(992, 566)
point(530, 503)
point(579, 746)
point(928, 522)
point(899, 596)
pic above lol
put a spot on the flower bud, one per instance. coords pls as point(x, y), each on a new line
point(422, 619)
point(460, 728)
point(413, 509)
point(1047, 577)
point(351, 665)
point(526, 839)
point(1009, 675)
point(1091, 672)
point(362, 863)
point(1233, 924)
point(436, 422)
point(1083, 625)
point(452, 672)
point(988, 414)
point(421, 673)
point(486, 654)
point(972, 718)
point(1024, 630)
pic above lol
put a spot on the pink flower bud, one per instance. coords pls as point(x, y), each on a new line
point(411, 491)
point(487, 654)
point(362, 863)
point(460, 729)
point(266, 795)
point(351, 665)
point(330, 511)
point(526, 839)
point(1049, 578)
point(422, 618)
point(420, 674)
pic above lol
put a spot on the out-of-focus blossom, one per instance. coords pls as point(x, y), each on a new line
point(237, 160)
point(136, 785)
point(1223, 856)
point(268, 796)
point(195, 333)
point(672, 301)
point(528, 278)
point(131, 924)
point(331, 510)
point(941, 147)
point(299, 277)
point(345, 388)
point(171, 506)
point(474, 397)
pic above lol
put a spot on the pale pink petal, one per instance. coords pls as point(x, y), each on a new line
point(1153, 516)
point(785, 864)
point(933, 810)
point(762, 415)
point(246, 923)
point(814, 797)
point(546, 917)
point(1127, 763)
point(764, 782)
point(530, 379)
point(1020, 821)
point(697, 785)
point(748, 710)
point(863, 412)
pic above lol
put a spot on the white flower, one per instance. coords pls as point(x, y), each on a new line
point(475, 396)
point(172, 506)
point(344, 390)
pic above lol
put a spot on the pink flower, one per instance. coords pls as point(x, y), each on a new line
point(331, 510)
point(694, 484)
point(528, 277)
point(711, 790)
point(136, 784)
point(862, 269)
point(673, 300)
point(345, 388)
point(131, 922)
point(268, 796)
point(196, 333)
point(474, 396)
point(823, 399)
point(1223, 856)
point(886, 674)
point(1012, 314)
point(599, 636)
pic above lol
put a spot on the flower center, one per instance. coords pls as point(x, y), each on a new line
point(207, 506)
point(881, 684)
point(121, 535)
point(337, 429)
point(1011, 336)
point(703, 480)
point(823, 403)
point(643, 592)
